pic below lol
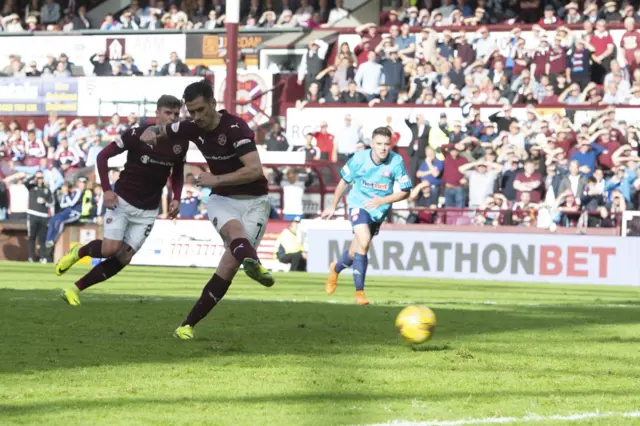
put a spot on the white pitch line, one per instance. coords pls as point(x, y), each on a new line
point(506, 420)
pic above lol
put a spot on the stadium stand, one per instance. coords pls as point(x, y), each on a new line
point(545, 167)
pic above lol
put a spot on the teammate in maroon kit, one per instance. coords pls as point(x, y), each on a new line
point(238, 205)
point(133, 204)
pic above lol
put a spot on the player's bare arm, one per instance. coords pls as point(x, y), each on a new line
point(389, 199)
point(337, 195)
point(153, 134)
point(251, 171)
point(177, 182)
point(102, 162)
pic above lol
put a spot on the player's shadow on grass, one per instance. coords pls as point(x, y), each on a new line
point(39, 332)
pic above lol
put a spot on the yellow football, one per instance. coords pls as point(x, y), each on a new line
point(416, 324)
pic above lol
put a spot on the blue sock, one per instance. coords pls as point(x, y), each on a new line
point(344, 262)
point(360, 263)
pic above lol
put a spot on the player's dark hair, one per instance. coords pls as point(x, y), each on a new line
point(168, 101)
point(200, 88)
point(382, 131)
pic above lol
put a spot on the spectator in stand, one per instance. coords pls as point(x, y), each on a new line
point(481, 176)
point(35, 147)
point(430, 171)
point(586, 156)
point(81, 21)
point(312, 62)
point(115, 127)
point(293, 192)
point(370, 76)
point(621, 182)
point(175, 66)
point(325, 141)
point(51, 13)
point(189, 204)
point(337, 13)
point(70, 205)
point(276, 139)
point(312, 153)
point(313, 96)
point(452, 179)
point(529, 181)
point(109, 23)
point(352, 95)
point(18, 196)
point(524, 211)
point(420, 140)
point(347, 138)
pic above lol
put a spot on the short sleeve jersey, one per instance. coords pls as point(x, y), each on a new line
point(371, 180)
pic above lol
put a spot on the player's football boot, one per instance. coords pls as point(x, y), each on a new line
point(71, 295)
point(257, 272)
point(184, 332)
point(68, 260)
point(361, 299)
point(332, 281)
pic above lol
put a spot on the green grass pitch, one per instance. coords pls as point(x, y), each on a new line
point(288, 356)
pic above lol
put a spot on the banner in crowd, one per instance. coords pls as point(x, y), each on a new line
point(307, 120)
point(570, 259)
point(500, 36)
point(143, 48)
point(211, 49)
point(24, 96)
point(196, 243)
point(254, 85)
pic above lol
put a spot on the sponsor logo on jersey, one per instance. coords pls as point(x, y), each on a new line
point(403, 179)
point(241, 142)
point(379, 186)
point(177, 149)
point(222, 139)
point(145, 159)
point(219, 157)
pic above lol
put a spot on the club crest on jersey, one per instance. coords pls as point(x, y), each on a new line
point(386, 173)
point(177, 149)
point(109, 220)
point(215, 221)
point(144, 159)
point(222, 139)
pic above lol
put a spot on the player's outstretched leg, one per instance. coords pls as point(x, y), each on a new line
point(212, 293)
point(246, 255)
point(101, 272)
point(334, 270)
point(360, 263)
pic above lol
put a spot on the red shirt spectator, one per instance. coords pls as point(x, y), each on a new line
point(451, 175)
point(36, 148)
point(610, 146)
point(540, 60)
point(630, 40)
point(529, 181)
point(325, 141)
point(557, 60)
point(600, 40)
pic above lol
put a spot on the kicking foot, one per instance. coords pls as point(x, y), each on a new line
point(71, 295)
point(184, 332)
point(361, 298)
point(257, 272)
point(68, 260)
point(332, 281)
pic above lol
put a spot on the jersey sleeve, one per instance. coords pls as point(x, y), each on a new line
point(243, 138)
point(186, 130)
point(401, 176)
point(128, 139)
point(346, 171)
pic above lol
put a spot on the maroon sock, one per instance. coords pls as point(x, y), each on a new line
point(91, 249)
point(241, 248)
point(212, 293)
point(101, 272)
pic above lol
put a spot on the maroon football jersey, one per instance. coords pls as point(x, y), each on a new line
point(222, 148)
point(147, 169)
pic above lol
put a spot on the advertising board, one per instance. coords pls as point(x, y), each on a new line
point(38, 96)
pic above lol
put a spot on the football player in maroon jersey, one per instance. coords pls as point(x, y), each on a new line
point(238, 205)
point(132, 206)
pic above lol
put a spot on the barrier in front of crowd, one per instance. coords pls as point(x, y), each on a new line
point(418, 251)
point(307, 120)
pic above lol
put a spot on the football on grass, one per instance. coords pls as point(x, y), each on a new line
point(416, 324)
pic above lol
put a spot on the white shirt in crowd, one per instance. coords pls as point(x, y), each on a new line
point(292, 194)
point(480, 186)
point(19, 198)
point(348, 137)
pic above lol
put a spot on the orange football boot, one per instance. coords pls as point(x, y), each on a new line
point(361, 299)
point(332, 281)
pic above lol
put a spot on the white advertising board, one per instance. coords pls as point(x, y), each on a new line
point(195, 243)
point(306, 120)
point(570, 259)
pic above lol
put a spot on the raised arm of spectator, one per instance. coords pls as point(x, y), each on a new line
point(467, 167)
point(415, 192)
point(362, 28)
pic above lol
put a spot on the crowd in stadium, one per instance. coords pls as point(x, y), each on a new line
point(544, 170)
